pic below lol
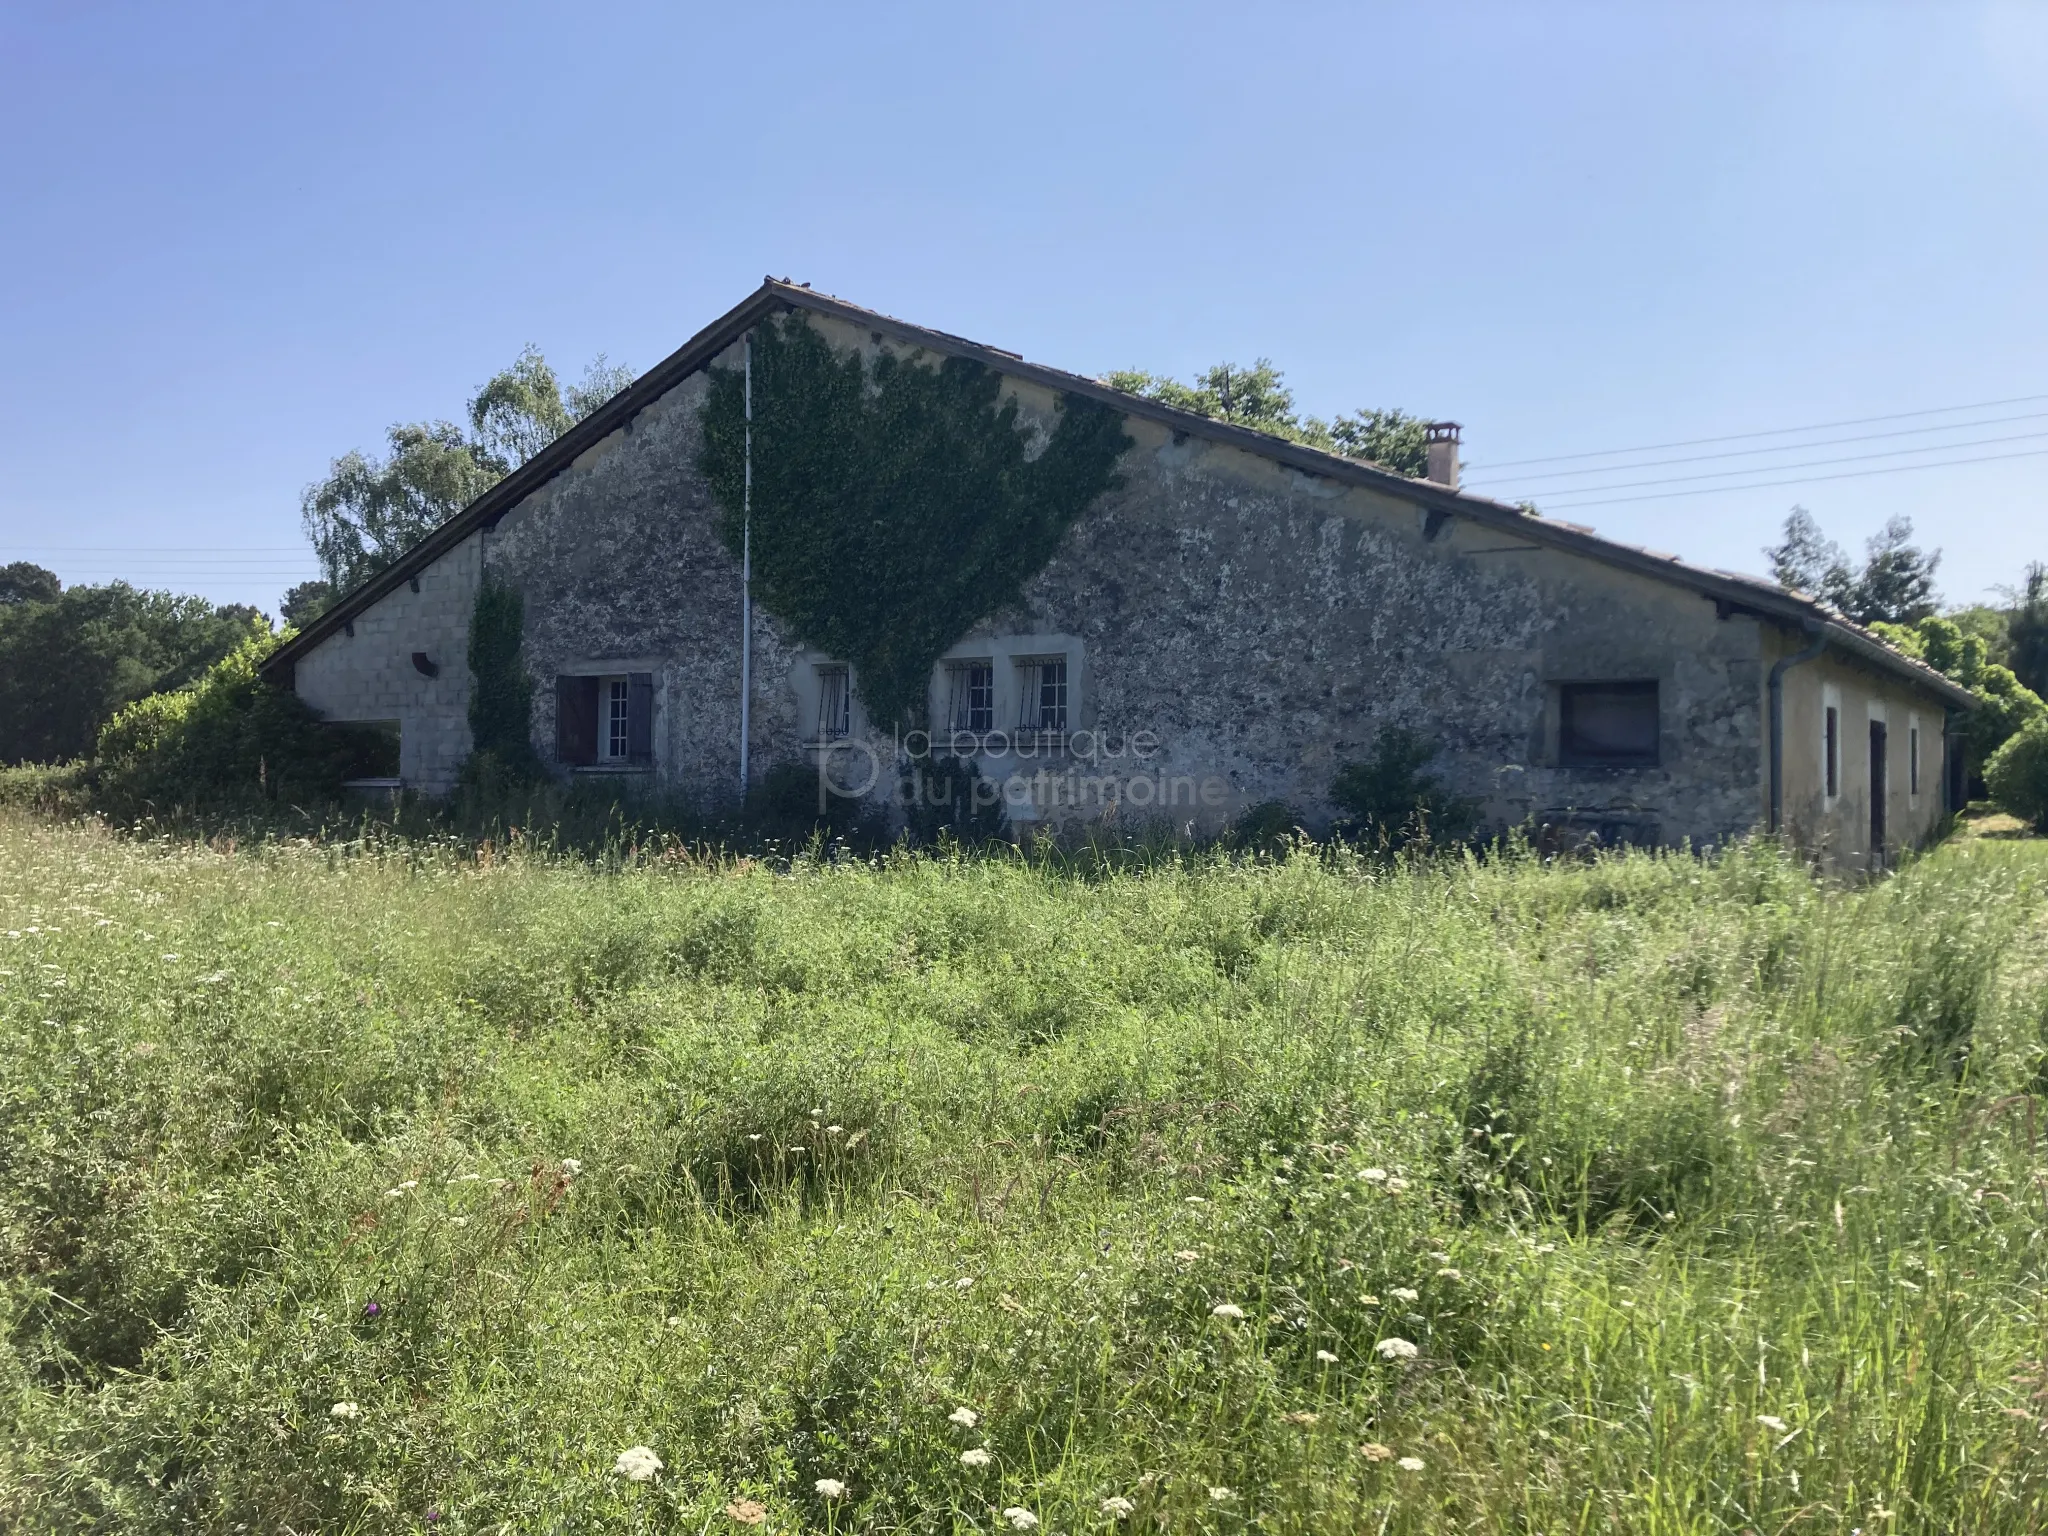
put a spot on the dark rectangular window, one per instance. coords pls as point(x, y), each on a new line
point(1913, 760)
point(1831, 751)
point(1608, 724)
point(367, 749)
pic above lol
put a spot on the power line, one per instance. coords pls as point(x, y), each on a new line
point(1762, 485)
point(1768, 469)
point(1738, 437)
point(1824, 442)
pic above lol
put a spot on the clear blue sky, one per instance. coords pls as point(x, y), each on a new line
point(236, 241)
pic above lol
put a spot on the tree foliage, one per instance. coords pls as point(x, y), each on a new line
point(1258, 397)
point(895, 504)
point(2005, 705)
point(368, 511)
point(22, 582)
point(2027, 630)
point(231, 737)
point(1895, 584)
point(68, 662)
point(305, 602)
point(2017, 775)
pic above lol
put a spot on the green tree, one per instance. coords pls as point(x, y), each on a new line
point(2017, 775)
point(369, 511)
point(1895, 585)
point(229, 737)
point(2027, 630)
point(1257, 397)
point(305, 602)
point(22, 582)
point(67, 665)
point(2005, 705)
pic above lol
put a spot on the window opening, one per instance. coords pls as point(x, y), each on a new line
point(618, 716)
point(835, 703)
point(971, 697)
point(1044, 681)
point(1608, 724)
point(1832, 751)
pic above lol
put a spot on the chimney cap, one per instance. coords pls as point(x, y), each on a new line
point(1442, 431)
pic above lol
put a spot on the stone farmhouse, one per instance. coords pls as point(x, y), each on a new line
point(1234, 619)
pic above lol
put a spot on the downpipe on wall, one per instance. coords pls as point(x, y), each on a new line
point(1783, 665)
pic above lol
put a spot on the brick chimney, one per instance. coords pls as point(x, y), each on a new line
point(1442, 437)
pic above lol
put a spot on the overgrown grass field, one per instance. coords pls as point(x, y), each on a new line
point(395, 1188)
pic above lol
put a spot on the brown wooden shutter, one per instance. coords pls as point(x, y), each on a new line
point(575, 720)
point(639, 717)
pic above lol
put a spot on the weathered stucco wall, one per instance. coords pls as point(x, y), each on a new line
point(1253, 626)
point(1837, 828)
point(368, 675)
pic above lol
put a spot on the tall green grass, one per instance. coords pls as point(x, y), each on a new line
point(1709, 1197)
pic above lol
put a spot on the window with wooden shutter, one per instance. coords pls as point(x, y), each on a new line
point(639, 717)
point(576, 720)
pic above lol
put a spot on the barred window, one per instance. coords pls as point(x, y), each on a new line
point(835, 703)
point(1043, 681)
point(971, 697)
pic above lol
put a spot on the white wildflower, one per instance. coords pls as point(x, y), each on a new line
point(978, 1457)
point(1326, 1357)
point(408, 1183)
point(830, 1488)
point(1374, 1175)
point(1410, 1463)
point(834, 1130)
point(1395, 1186)
point(1396, 1349)
point(572, 1167)
point(1771, 1422)
point(1448, 1274)
point(965, 1282)
point(345, 1410)
point(1117, 1507)
point(637, 1464)
point(1372, 1450)
point(1222, 1495)
point(1403, 1293)
point(1187, 1255)
point(964, 1416)
point(1229, 1311)
point(1020, 1518)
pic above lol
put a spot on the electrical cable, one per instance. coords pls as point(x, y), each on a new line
point(1761, 485)
point(1771, 469)
point(1737, 437)
point(1743, 453)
